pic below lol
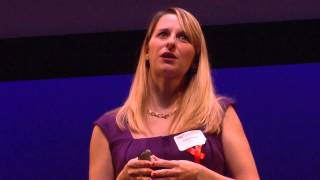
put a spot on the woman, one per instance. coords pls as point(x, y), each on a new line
point(172, 93)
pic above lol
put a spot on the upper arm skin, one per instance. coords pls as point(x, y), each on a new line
point(100, 165)
point(236, 148)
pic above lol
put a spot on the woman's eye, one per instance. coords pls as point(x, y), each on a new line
point(183, 37)
point(162, 34)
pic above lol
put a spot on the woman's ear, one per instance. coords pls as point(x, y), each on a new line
point(147, 53)
point(147, 63)
point(195, 62)
point(194, 68)
point(194, 65)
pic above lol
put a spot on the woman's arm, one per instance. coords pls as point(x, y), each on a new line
point(100, 165)
point(236, 147)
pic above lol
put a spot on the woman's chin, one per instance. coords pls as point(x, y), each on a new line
point(170, 73)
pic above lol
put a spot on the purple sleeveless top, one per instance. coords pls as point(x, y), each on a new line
point(124, 147)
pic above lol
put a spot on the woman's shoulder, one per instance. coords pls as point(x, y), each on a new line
point(226, 102)
point(107, 123)
point(107, 119)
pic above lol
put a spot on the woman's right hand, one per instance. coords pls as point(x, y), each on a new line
point(136, 169)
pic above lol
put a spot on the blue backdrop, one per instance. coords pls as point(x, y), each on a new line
point(46, 124)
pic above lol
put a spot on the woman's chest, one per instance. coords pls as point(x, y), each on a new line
point(166, 148)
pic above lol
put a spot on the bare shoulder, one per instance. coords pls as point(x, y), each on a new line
point(100, 165)
point(98, 136)
point(236, 147)
point(231, 120)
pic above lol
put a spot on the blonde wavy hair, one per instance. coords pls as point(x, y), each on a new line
point(198, 107)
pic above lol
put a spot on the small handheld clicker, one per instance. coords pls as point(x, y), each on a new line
point(145, 155)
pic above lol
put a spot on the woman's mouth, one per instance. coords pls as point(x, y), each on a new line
point(167, 56)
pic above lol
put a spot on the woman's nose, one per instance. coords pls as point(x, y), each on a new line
point(171, 43)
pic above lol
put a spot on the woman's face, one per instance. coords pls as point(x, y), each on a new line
point(170, 51)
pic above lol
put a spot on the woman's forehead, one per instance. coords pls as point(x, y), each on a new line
point(169, 21)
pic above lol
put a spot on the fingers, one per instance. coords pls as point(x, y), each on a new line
point(144, 178)
point(154, 158)
point(169, 168)
point(164, 164)
point(139, 172)
point(135, 163)
point(143, 169)
point(165, 173)
point(137, 169)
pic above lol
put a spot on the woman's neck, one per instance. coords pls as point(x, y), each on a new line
point(163, 94)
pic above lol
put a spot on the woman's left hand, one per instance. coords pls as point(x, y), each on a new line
point(175, 169)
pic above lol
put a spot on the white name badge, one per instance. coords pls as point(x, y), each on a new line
point(189, 139)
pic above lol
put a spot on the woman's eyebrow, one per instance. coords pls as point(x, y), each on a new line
point(168, 29)
point(163, 29)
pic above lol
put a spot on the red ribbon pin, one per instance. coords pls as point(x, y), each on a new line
point(196, 152)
